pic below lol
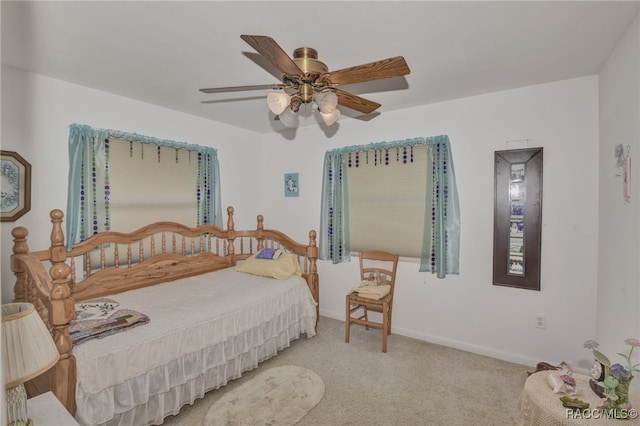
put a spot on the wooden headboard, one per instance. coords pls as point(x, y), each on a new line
point(113, 262)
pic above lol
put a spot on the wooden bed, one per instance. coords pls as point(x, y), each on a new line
point(163, 254)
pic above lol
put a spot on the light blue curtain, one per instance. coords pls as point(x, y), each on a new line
point(441, 240)
point(334, 217)
point(89, 147)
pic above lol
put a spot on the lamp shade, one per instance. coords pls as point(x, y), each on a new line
point(331, 117)
point(289, 118)
point(28, 349)
point(326, 101)
point(278, 102)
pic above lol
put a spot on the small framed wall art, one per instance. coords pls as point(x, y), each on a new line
point(15, 176)
point(291, 185)
point(517, 218)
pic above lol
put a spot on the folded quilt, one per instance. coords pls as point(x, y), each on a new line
point(98, 318)
point(376, 292)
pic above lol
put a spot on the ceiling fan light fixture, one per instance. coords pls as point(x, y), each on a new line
point(278, 102)
point(289, 118)
point(330, 117)
point(327, 101)
point(306, 80)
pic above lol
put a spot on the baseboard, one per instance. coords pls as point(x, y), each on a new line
point(457, 344)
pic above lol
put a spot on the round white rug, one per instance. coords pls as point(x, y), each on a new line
point(276, 397)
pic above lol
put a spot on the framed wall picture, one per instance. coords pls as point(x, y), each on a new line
point(15, 178)
point(517, 225)
point(291, 185)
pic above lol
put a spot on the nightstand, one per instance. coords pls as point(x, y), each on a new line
point(46, 410)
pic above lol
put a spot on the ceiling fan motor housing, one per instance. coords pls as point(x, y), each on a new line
point(306, 58)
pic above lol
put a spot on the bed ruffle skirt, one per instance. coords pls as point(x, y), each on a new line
point(144, 383)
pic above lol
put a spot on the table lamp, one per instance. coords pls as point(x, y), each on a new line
point(27, 351)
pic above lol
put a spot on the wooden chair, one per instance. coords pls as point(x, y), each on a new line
point(358, 307)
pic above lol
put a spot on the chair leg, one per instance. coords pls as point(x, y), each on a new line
point(366, 317)
point(347, 323)
point(390, 318)
point(385, 325)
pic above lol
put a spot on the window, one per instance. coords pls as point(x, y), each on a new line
point(394, 196)
point(387, 190)
point(123, 181)
point(150, 184)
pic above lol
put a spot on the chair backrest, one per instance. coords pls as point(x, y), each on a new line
point(384, 262)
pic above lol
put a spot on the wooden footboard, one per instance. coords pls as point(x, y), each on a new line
point(113, 262)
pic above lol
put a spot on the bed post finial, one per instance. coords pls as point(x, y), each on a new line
point(20, 240)
point(314, 280)
point(19, 247)
point(61, 313)
point(259, 229)
point(58, 252)
point(312, 252)
point(231, 236)
point(230, 224)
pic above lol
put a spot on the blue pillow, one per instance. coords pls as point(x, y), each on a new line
point(266, 253)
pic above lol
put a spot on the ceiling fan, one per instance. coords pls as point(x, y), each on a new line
point(305, 79)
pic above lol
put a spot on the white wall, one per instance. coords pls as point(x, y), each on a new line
point(468, 311)
point(36, 114)
point(464, 311)
point(619, 245)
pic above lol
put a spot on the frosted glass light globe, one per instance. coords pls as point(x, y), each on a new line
point(289, 118)
point(326, 101)
point(278, 102)
point(331, 117)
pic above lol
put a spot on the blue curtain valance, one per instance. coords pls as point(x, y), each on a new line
point(389, 145)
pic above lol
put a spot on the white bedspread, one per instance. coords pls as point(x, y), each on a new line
point(203, 331)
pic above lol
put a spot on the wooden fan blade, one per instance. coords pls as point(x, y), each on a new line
point(391, 67)
point(267, 47)
point(242, 88)
point(357, 103)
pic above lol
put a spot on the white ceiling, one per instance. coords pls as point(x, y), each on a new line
point(162, 52)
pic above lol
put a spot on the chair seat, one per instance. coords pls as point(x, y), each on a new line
point(355, 298)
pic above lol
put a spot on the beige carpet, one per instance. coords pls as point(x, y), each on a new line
point(414, 384)
point(278, 396)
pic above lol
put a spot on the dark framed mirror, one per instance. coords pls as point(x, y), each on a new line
point(517, 218)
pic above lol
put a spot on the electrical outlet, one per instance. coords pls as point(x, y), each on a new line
point(541, 321)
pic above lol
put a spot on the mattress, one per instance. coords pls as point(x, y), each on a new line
point(203, 331)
